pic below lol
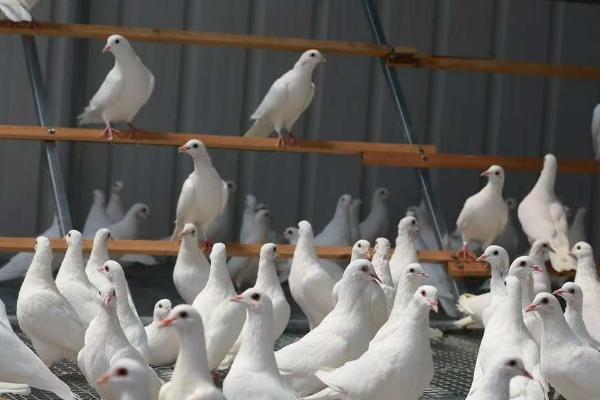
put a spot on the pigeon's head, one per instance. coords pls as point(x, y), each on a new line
point(362, 270)
point(427, 296)
point(311, 58)
point(344, 202)
point(544, 304)
point(415, 274)
point(412, 211)
point(408, 225)
point(162, 308)
point(361, 249)
point(117, 187)
point(511, 203)
point(522, 267)
point(74, 238)
point(183, 317)
point(43, 248)
point(107, 295)
point(291, 234)
point(102, 237)
point(112, 270)
point(495, 256)
point(512, 286)
point(189, 230)
point(381, 193)
point(117, 45)
point(218, 254)
point(581, 250)
point(195, 149)
point(382, 247)
point(261, 206)
point(255, 301)
point(231, 187)
point(550, 162)
point(263, 216)
point(495, 174)
point(99, 198)
point(268, 252)
point(124, 375)
point(511, 366)
point(304, 228)
point(571, 292)
point(541, 248)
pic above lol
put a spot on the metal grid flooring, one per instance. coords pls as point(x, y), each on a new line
point(454, 358)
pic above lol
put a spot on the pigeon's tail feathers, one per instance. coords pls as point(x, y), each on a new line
point(325, 394)
point(260, 128)
point(90, 115)
point(16, 12)
point(15, 388)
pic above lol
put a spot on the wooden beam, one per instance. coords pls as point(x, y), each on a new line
point(207, 39)
point(478, 162)
point(12, 132)
point(497, 66)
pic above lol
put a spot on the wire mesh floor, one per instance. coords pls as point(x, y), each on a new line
point(454, 358)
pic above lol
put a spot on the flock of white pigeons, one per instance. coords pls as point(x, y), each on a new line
point(369, 336)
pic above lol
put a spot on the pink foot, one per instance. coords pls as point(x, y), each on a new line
point(466, 254)
point(281, 143)
point(109, 133)
point(134, 132)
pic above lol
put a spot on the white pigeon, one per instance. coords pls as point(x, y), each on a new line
point(222, 319)
point(128, 317)
point(286, 100)
point(381, 263)
point(540, 255)
point(25, 367)
point(250, 208)
point(342, 336)
point(128, 378)
point(291, 235)
point(18, 264)
point(596, 131)
point(354, 215)
point(191, 270)
point(163, 344)
point(73, 283)
point(17, 10)
point(105, 343)
point(399, 367)
point(377, 222)
point(125, 90)
point(267, 282)
point(495, 383)
point(128, 227)
point(497, 258)
point(191, 377)
point(310, 282)
point(220, 229)
point(506, 333)
point(569, 365)
point(254, 373)
point(337, 231)
point(522, 268)
point(542, 216)
point(577, 231)
point(114, 209)
point(484, 215)
point(405, 251)
point(96, 217)
point(472, 306)
point(203, 194)
point(510, 238)
point(587, 279)
point(573, 295)
point(98, 256)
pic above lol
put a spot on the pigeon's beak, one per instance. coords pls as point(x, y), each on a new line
point(531, 308)
point(167, 322)
point(238, 299)
point(106, 300)
point(558, 292)
point(485, 173)
point(481, 258)
point(537, 268)
point(104, 378)
point(551, 250)
point(323, 60)
point(183, 149)
point(526, 374)
point(434, 305)
point(572, 255)
point(106, 49)
point(424, 274)
point(375, 278)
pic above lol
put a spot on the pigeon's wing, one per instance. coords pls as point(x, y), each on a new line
point(308, 100)
point(108, 93)
point(321, 285)
point(584, 370)
point(275, 98)
point(150, 87)
point(224, 197)
point(15, 11)
point(466, 213)
point(185, 205)
point(559, 218)
point(535, 220)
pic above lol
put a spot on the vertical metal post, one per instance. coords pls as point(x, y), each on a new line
point(40, 96)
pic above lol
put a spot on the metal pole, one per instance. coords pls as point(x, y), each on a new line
point(40, 96)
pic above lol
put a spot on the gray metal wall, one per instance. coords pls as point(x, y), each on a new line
point(212, 90)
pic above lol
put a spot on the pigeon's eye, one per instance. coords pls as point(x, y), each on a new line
point(160, 306)
point(109, 235)
point(497, 173)
point(274, 250)
point(99, 292)
point(423, 293)
point(117, 41)
point(572, 291)
point(195, 145)
point(229, 185)
point(412, 270)
point(267, 214)
point(122, 372)
point(522, 263)
point(193, 231)
point(496, 252)
point(69, 234)
point(106, 268)
point(364, 268)
point(545, 300)
point(255, 296)
point(578, 247)
point(413, 222)
point(359, 245)
point(183, 314)
point(382, 192)
point(313, 54)
point(512, 363)
point(544, 245)
point(504, 283)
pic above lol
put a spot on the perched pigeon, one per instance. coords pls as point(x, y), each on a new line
point(587, 279)
point(497, 258)
point(114, 209)
point(254, 372)
point(342, 336)
point(484, 215)
point(569, 365)
point(376, 223)
point(163, 343)
point(354, 215)
point(191, 377)
point(191, 267)
point(522, 268)
point(405, 251)
point(17, 10)
point(495, 384)
point(128, 378)
point(596, 131)
point(381, 263)
point(221, 227)
point(98, 257)
point(287, 99)
point(40, 306)
point(128, 227)
point(542, 216)
point(573, 295)
point(125, 90)
point(97, 217)
point(203, 194)
point(337, 231)
point(577, 231)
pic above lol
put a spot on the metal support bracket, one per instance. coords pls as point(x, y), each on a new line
point(40, 96)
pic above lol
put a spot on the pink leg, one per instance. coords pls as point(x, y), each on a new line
point(109, 132)
point(467, 254)
point(281, 143)
point(292, 139)
point(134, 132)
